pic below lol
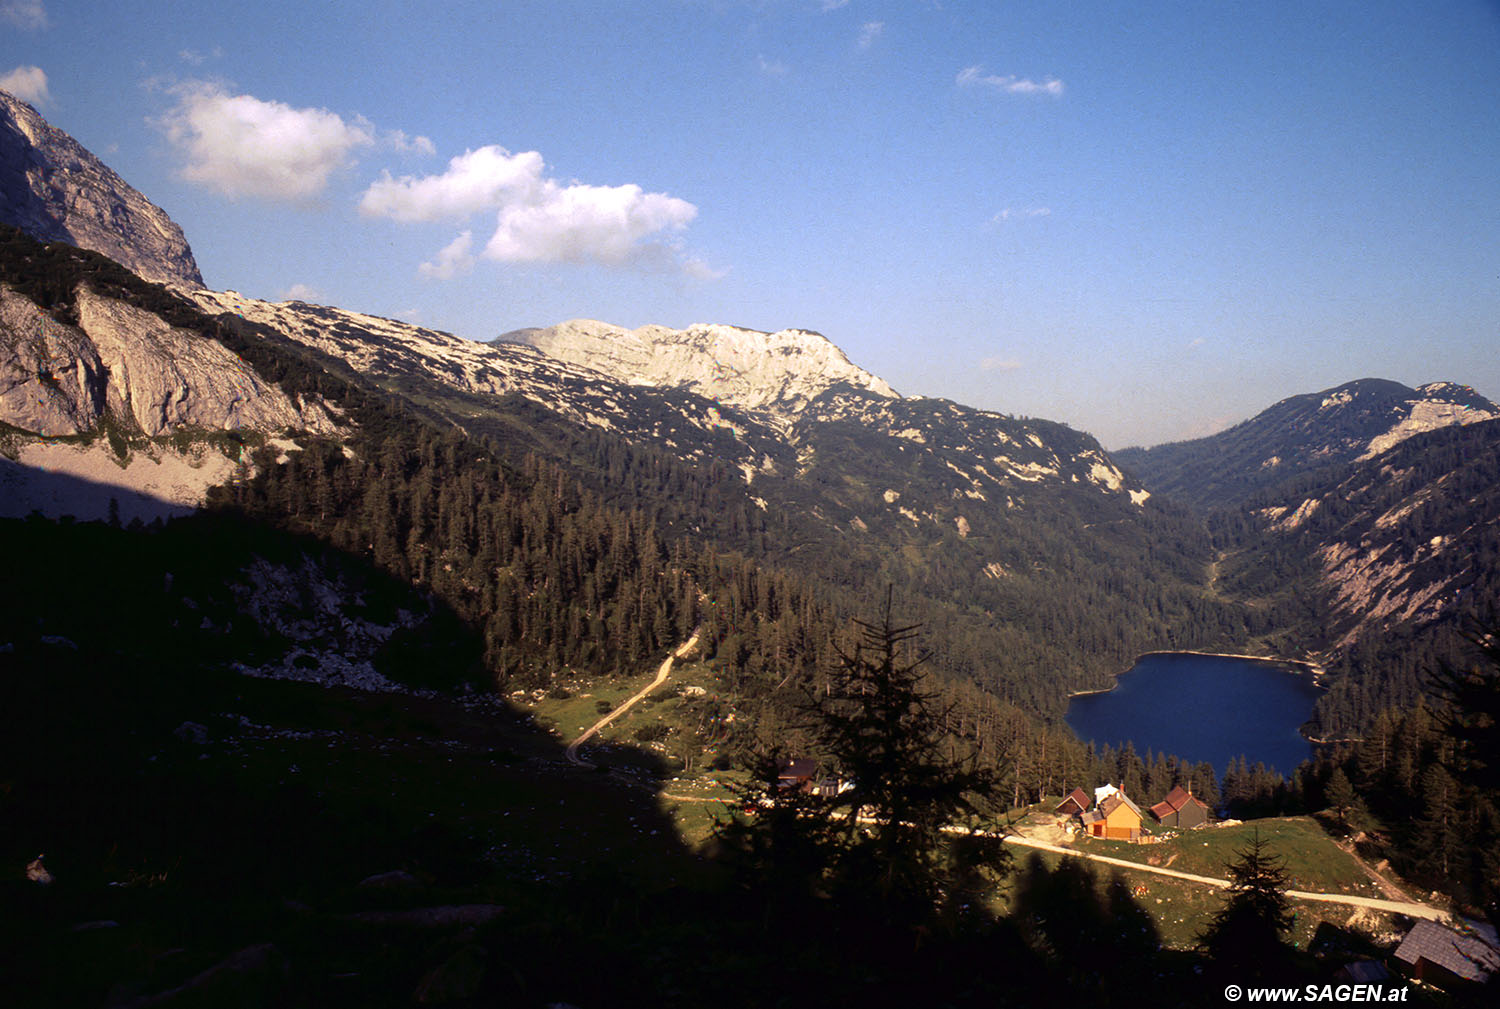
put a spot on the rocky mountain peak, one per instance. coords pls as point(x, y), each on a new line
point(1432, 406)
point(53, 189)
point(777, 374)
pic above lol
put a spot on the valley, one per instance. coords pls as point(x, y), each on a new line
point(348, 661)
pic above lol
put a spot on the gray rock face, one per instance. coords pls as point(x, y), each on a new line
point(53, 189)
point(57, 379)
point(51, 379)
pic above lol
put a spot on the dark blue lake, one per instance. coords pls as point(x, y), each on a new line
point(1202, 707)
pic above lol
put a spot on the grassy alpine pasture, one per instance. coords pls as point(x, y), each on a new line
point(1180, 909)
point(1313, 861)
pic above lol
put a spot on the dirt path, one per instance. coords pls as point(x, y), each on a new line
point(1407, 908)
point(661, 677)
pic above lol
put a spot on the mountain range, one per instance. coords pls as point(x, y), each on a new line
point(304, 741)
point(1040, 562)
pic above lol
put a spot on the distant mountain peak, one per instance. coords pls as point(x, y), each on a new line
point(55, 190)
point(776, 374)
point(1351, 422)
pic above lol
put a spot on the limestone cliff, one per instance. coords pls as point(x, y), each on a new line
point(52, 188)
point(57, 379)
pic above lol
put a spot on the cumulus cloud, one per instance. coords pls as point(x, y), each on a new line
point(26, 14)
point(485, 179)
point(28, 84)
point(537, 219)
point(869, 32)
point(243, 146)
point(999, 364)
point(455, 258)
point(975, 77)
point(578, 223)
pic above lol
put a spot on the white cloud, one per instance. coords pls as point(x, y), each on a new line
point(243, 146)
point(999, 364)
point(28, 84)
point(1020, 214)
point(409, 145)
point(975, 76)
point(302, 292)
point(26, 14)
point(455, 258)
point(537, 219)
point(869, 32)
point(485, 179)
point(832, 5)
point(579, 223)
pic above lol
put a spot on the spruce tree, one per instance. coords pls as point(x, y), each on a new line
point(1243, 940)
point(878, 724)
point(1341, 795)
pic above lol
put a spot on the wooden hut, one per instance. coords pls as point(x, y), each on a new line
point(1447, 958)
point(1074, 805)
point(1181, 808)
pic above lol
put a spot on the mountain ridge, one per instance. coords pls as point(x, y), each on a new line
point(55, 190)
point(1346, 423)
point(773, 444)
point(775, 374)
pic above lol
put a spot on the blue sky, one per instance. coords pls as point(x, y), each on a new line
point(1147, 221)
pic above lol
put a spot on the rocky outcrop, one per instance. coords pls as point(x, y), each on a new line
point(772, 373)
point(127, 366)
point(57, 379)
point(53, 189)
point(52, 381)
point(164, 377)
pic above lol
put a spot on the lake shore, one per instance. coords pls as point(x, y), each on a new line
point(1192, 702)
point(1313, 669)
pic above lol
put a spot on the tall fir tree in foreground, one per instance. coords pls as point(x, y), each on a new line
point(1244, 939)
point(901, 837)
point(879, 724)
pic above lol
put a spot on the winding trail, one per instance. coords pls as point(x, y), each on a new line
point(1394, 906)
point(661, 677)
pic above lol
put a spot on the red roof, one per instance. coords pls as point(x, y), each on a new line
point(1078, 797)
point(1175, 800)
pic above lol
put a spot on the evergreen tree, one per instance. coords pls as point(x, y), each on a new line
point(878, 724)
point(1244, 938)
point(1340, 795)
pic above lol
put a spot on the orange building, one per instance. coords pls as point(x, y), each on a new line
point(1115, 819)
